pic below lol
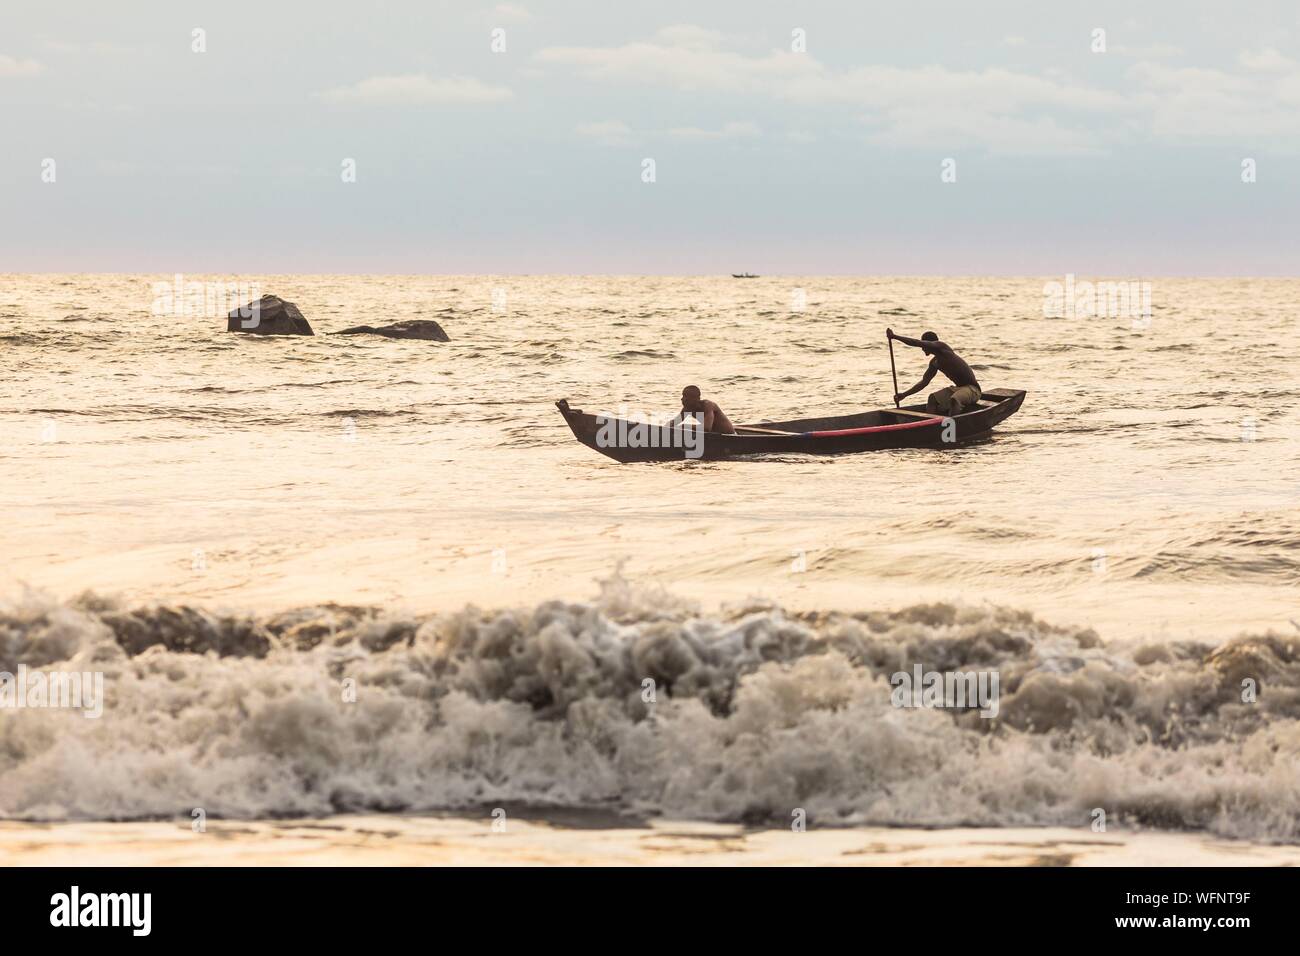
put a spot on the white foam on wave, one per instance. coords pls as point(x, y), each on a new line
point(758, 713)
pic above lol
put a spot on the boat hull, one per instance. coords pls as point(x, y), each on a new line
point(876, 430)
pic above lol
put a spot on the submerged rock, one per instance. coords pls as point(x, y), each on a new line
point(269, 316)
point(413, 329)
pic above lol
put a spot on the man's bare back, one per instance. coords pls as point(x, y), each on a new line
point(711, 415)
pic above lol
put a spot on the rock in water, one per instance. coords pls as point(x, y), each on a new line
point(413, 329)
point(269, 316)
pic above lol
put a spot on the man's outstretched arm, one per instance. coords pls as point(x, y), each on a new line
point(913, 342)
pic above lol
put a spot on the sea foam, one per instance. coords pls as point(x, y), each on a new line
point(642, 704)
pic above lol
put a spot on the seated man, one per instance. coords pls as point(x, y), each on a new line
point(961, 396)
point(706, 411)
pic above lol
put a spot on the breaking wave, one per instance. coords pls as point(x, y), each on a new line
point(756, 712)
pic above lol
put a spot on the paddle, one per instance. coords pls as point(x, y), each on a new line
point(893, 371)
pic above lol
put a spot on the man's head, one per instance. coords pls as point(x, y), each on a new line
point(691, 400)
point(929, 337)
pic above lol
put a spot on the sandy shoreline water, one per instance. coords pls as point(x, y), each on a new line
point(571, 838)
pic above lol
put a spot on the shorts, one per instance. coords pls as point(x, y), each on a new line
point(953, 400)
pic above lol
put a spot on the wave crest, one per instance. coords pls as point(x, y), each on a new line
point(755, 712)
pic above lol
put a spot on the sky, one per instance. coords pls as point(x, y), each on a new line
point(808, 138)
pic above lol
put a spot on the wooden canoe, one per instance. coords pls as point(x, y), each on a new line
point(882, 428)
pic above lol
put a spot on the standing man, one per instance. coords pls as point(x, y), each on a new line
point(958, 397)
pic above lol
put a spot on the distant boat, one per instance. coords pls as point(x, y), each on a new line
point(743, 275)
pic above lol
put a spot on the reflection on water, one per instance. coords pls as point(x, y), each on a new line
point(360, 468)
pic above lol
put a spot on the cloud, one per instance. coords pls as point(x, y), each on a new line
point(9, 66)
point(511, 13)
point(926, 105)
point(992, 92)
point(998, 109)
point(607, 132)
point(99, 47)
point(999, 135)
point(689, 35)
point(417, 88)
point(1268, 60)
point(728, 131)
point(1151, 51)
point(687, 58)
point(618, 133)
point(1199, 103)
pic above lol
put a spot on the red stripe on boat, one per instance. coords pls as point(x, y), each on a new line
point(874, 428)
